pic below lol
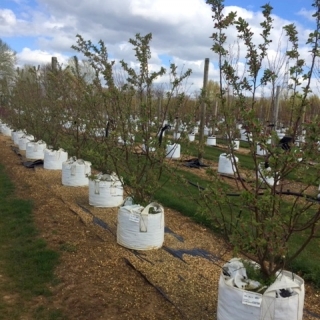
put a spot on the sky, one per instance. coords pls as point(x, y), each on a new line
point(39, 29)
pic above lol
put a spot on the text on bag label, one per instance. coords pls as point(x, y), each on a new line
point(251, 299)
point(134, 217)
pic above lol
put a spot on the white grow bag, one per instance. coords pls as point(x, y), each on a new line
point(266, 175)
point(191, 137)
point(245, 136)
point(173, 151)
point(105, 191)
point(99, 132)
point(128, 141)
point(2, 126)
point(53, 159)
point(211, 141)
point(235, 144)
point(239, 304)
point(22, 142)
point(226, 164)
point(16, 135)
point(148, 148)
point(35, 150)
point(6, 130)
point(75, 172)
point(206, 131)
point(138, 229)
point(260, 151)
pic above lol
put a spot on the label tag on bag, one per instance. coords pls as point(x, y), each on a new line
point(252, 299)
point(134, 217)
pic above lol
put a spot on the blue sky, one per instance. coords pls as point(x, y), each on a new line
point(287, 9)
point(40, 29)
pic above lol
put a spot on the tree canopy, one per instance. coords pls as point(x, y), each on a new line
point(7, 60)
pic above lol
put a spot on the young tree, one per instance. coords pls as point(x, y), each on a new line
point(7, 71)
point(7, 61)
point(261, 222)
point(25, 102)
point(131, 108)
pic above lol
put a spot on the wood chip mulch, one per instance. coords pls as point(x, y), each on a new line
point(99, 279)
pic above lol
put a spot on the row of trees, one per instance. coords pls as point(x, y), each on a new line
point(190, 111)
point(95, 113)
point(116, 120)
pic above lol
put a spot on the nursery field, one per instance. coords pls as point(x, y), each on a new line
point(98, 279)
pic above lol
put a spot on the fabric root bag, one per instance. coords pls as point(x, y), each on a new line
point(105, 190)
point(16, 136)
point(53, 159)
point(226, 164)
point(173, 151)
point(239, 304)
point(75, 172)
point(138, 228)
point(22, 142)
point(35, 150)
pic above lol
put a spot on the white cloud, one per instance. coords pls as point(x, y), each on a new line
point(38, 57)
point(180, 29)
point(306, 14)
point(8, 21)
point(167, 11)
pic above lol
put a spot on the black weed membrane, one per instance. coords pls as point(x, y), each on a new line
point(33, 164)
point(195, 252)
point(102, 224)
point(169, 231)
point(195, 163)
point(27, 163)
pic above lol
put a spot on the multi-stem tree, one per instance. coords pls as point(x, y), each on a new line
point(262, 219)
point(131, 109)
point(26, 102)
point(7, 61)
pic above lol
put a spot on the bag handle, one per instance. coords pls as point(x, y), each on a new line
point(128, 201)
point(145, 211)
point(97, 186)
point(145, 215)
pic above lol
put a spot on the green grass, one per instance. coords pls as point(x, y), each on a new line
point(42, 313)
point(177, 196)
point(308, 262)
point(245, 160)
point(183, 198)
point(25, 260)
point(213, 152)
